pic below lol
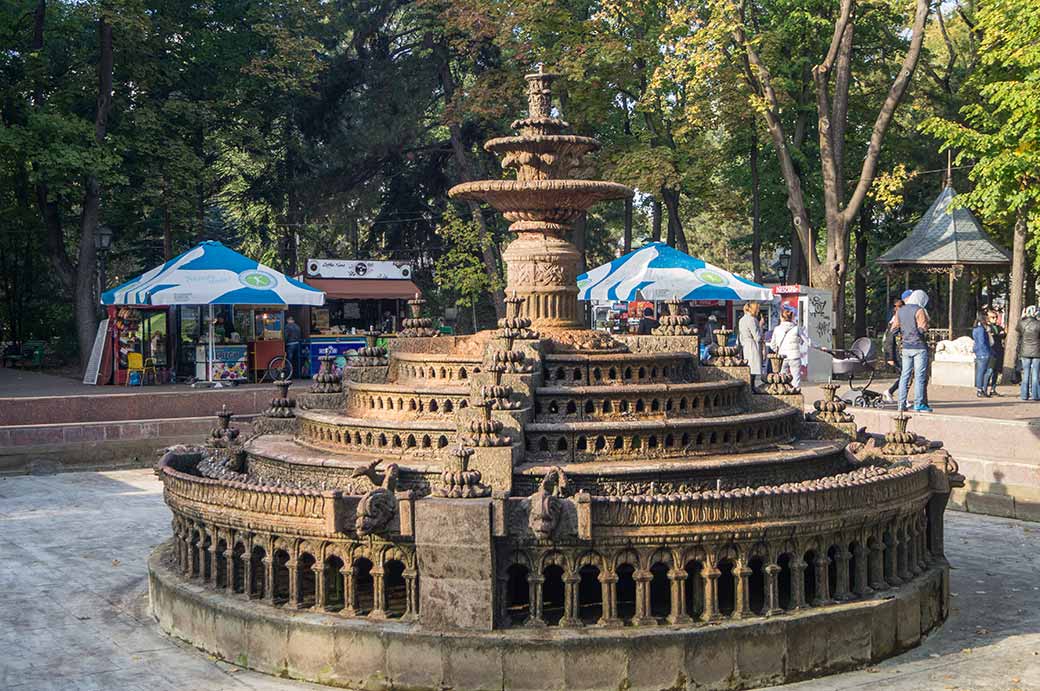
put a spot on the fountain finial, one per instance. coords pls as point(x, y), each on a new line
point(539, 93)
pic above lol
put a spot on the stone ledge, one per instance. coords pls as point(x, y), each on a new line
point(392, 655)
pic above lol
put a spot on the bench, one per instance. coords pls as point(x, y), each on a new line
point(30, 355)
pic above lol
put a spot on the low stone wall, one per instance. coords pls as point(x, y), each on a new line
point(1000, 459)
point(95, 445)
point(393, 655)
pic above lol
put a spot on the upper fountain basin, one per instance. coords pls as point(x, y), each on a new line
point(557, 201)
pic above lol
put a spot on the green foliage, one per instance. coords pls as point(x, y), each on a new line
point(460, 270)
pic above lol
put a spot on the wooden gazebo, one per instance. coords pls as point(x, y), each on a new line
point(945, 241)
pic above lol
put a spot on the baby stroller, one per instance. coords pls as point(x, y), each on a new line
point(857, 361)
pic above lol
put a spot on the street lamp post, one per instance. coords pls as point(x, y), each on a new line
point(102, 243)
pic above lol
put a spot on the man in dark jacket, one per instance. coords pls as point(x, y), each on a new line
point(1029, 353)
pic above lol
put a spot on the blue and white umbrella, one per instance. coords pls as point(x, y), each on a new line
point(212, 274)
point(660, 272)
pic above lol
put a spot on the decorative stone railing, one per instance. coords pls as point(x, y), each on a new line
point(368, 436)
point(427, 368)
point(381, 401)
point(618, 368)
point(698, 399)
point(667, 438)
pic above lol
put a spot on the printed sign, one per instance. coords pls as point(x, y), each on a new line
point(357, 268)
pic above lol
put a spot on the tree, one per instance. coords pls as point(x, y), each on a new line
point(745, 26)
point(460, 269)
point(1001, 135)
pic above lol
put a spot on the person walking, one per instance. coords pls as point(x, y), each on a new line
point(892, 351)
point(787, 341)
point(1028, 329)
point(750, 334)
point(982, 347)
point(996, 355)
point(293, 336)
point(912, 322)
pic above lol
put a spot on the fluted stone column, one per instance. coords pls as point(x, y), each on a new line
point(841, 589)
point(349, 591)
point(891, 563)
point(678, 615)
point(269, 579)
point(902, 558)
point(877, 565)
point(742, 606)
point(822, 594)
point(570, 601)
point(319, 586)
point(378, 594)
point(229, 570)
point(711, 594)
point(643, 617)
point(797, 567)
point(211, 561)
point(860, 573)
point(772, 572)
point(294, 583)
point(608, 588)
point(535, 583)
point(411, 580)
point(247, 574)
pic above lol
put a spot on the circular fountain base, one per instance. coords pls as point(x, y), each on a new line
point(358, 654)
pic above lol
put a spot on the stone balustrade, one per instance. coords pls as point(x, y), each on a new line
point(698, 399)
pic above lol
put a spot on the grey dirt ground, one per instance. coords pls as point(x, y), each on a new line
point(73, 600)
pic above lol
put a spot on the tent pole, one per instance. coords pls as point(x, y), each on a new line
point(209, 366)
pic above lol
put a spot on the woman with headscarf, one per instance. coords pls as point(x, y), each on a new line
point(750, 334)
point(911, 320)
point(1029, 352)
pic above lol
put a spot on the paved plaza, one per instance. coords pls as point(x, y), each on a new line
point(74, 613)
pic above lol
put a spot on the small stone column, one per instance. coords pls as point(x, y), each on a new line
point(798, 567)
point(349, 604)
point(642, 617)
point(378, 594)
point(535, 584)
point(877, 565)
point(742, 606)
point(822, 594)
point(860, 573)
point(319, 586)
point(211, 560)
point(247, 574)
point(902, 558)
point(891, 563)
point(678, 614)
point(571, 608)
point(269, 579)
point(229, 570)
point(772, 590)
point(711, 594)
point(294, 583)
point(841, 589)
point(913, 563)
point(411, 609)
point(608, 589)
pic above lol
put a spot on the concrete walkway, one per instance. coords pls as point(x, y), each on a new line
point(15, 383)
point(73, 615)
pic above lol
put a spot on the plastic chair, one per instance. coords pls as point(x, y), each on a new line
point(135, 362)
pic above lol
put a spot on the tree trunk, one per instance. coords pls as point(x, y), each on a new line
point(86, 266)
point(1017, 292)
point(797, 270)
point(655, 220)
point(860, 287)
point(756, 212)
point(676, 234)
point(167, 226)
point(626, 239)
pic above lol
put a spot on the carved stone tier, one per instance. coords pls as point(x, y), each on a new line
point(400, 438)
point(694, 399)
point(580, 369)
point(406, 402)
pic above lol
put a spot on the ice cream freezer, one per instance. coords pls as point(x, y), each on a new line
point(229, 362)
point(339, 346)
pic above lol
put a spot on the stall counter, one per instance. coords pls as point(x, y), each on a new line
point(229, 361)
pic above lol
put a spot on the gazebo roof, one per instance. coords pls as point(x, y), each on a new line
point(947, 236)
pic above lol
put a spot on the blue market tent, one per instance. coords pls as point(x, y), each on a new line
point(212, 274)
point(660, 272)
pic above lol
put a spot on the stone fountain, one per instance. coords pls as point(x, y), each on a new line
point(542, 506)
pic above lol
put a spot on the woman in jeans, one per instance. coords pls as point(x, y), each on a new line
point(983, 349)
point(1029, 352)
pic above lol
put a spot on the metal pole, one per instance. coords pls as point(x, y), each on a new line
point(209, 365)
point(950, 301)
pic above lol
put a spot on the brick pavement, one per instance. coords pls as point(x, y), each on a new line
point(73, 615)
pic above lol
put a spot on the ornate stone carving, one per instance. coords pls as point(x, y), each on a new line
point(378, 507)
point(327, 380)
point(725, 355)
point(223, 435)
point(282, 406)
point(416, 325)
point(831, 408)
point(486, 431)
point(546, 505)
point(778, 383)
point(458, 481)
point(900, 442)
point(675, 323)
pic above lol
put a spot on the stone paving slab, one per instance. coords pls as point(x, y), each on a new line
point(73, 610)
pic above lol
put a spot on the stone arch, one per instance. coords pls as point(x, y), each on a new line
point(364, 585)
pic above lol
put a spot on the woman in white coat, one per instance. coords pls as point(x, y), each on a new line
point(749, 331)
point(787, 341)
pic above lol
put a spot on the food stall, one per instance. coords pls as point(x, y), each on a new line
point(143, 330)
point(231, 309)
point(360, 295)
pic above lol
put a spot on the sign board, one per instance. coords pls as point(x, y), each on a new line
point(93, 371)
point(357, 268)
